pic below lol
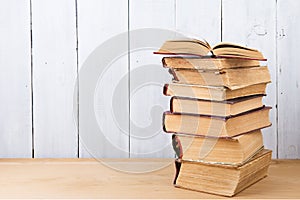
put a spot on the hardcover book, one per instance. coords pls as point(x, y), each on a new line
point(227, 151)
point(216, 108)
point(207, 63)
point(230, 78)
point(220, 179)
point(214, 126)
point(217, 93)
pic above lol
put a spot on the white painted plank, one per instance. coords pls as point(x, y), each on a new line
point(15, 81)
point(147, 77)
point(54, 74)
point(200, 19)
point(252, 23)
point(103, 94)
point(288, 79)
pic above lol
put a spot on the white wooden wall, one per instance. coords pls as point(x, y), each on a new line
point(54, 73)
point(45, 44)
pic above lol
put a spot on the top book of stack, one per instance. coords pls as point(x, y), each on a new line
point(193, 47)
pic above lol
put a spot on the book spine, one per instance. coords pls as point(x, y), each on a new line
point(177, 170)
point(164, 64)
point(171, 104)
point(173, 73)
point(165, 90)
point(163, 122)
point(176, 143)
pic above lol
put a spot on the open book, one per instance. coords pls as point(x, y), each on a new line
point(193, 47)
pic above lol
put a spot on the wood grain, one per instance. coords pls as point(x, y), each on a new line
point(88, 178)
point(15, 79)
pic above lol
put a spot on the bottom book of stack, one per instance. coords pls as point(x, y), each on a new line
point(226, 180)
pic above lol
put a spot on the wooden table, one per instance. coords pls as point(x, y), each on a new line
point(89, 178)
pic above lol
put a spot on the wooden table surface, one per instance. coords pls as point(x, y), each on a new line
point(89, 178)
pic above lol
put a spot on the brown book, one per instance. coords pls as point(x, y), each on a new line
point(217, 108)
point(217, 93)
point(238, 149)
point(207, 63)
point(214, 126)
point(202, 48)
point(220, 179)
point(230, 78)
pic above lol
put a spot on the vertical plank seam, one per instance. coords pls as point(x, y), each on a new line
point(31, 81)
point(277, 76)
point(175, 14)
point(77, 78)
point(129, 78)
point(221, 20)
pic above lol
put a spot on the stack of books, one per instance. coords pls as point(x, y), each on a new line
point(216, 115)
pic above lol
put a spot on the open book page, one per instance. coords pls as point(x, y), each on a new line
point(201, 48)
point(185, 47)
point(227, 49)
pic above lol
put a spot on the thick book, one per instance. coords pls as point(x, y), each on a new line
point(220, 179)
point(207, 63)
point(227, 151)
point(202, 48)
point(217, 93)
point(218, 108)
point(230, 78)
point(215, 126)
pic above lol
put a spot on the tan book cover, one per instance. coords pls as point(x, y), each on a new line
point(230, 151)
point(230, 78)
point(221, 179)
point(217, 93)
point(215, 126)
point(204, 63)
point(216, 108)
